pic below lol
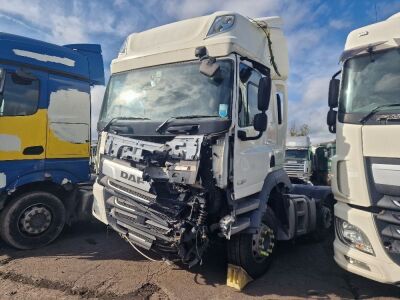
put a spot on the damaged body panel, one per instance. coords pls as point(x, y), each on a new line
point(154, 195)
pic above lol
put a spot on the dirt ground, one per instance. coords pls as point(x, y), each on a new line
point(88, 261)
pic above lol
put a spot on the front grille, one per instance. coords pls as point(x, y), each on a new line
point(293, 169)
point(385, 201)
point(133, 192)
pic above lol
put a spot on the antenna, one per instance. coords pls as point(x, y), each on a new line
point(376, 13)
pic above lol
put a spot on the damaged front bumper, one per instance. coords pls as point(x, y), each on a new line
point(151, 194)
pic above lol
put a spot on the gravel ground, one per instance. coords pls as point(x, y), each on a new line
point(89, 262)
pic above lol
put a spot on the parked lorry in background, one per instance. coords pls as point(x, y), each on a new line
point(366, 168)
point(322, 161)
point(44, 136)
point(192, 141)
point(299, 159)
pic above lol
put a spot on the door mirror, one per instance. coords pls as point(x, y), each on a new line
point(264, 93)
point(260, 122)
point(23, 77)
point(209, 67)
point(333, 97)
point(331, 120)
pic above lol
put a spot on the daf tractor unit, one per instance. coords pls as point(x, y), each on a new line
point(366, 167)
point(298, 159)
point(192, 142)
point(44, 136)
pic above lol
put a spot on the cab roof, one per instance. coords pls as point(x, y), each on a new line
point(176, 42)
point(381, 35)
point(83, 61)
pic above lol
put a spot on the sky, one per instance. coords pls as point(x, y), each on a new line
point(316, 31)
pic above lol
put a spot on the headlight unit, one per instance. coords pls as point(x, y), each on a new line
point(353, 236)
point(221, 24)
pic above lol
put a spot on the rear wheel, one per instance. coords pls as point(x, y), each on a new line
point(32, 220)
point(254, 252)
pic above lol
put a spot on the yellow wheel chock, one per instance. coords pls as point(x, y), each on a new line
point(237, 277)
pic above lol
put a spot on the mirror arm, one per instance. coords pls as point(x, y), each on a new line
point(332, 128)
point(2, 79)
point(243, 136)
point(336, 74)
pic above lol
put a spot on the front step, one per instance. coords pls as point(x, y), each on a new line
point(245, 206)
point(239, 225)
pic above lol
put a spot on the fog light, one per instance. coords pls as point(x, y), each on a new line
point(357, 263)
point(353, 236)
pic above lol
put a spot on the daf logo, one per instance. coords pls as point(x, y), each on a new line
point(131, 177)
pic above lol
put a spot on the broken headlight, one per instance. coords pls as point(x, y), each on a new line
point(353, 236)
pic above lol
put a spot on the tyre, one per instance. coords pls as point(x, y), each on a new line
point(32, 220)
point(324, 224)
point(254, 252)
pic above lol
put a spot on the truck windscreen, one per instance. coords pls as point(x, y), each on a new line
point(369, 81)
point(296, 154)
point(157, 93)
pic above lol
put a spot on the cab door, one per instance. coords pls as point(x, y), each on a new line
point(23, 114)
point(68, 118)
point(251, 157)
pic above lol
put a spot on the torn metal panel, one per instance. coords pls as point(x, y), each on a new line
point(155, 195)
point(220, 162)
point(69, 113)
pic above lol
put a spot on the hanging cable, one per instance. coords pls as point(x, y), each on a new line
point(140, 252)
point(268, 35)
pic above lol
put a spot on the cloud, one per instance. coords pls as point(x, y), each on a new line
point(339, 24)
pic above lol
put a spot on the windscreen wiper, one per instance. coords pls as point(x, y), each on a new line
point(113, 120)
point(364, 119)
point(164, 124)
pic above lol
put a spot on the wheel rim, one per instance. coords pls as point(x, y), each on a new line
point(35, 219)
point(263, 243)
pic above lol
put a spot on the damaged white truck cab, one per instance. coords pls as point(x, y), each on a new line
point(192, 140)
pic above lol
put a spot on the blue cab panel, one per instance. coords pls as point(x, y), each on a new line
point(20, 172)
point(80, 60)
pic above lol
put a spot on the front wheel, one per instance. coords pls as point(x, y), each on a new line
point(32, 220)
point(254, 252)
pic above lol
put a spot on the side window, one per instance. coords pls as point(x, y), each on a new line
point(252, 99)
point(279, 107)
point(19, 96)
point(248, 100)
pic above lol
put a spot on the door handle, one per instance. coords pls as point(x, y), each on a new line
point(33, 150)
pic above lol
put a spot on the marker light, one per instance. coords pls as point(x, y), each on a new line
point(221, 24)
point(122, 50)
point(353, 236)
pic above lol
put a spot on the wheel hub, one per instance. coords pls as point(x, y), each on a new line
point(35, 220)
point(263, 243)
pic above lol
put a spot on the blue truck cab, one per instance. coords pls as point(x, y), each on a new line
point(45, 137)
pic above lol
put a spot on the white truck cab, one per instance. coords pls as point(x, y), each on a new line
point(366, 168)
point(192, 140)
point(298, 159)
